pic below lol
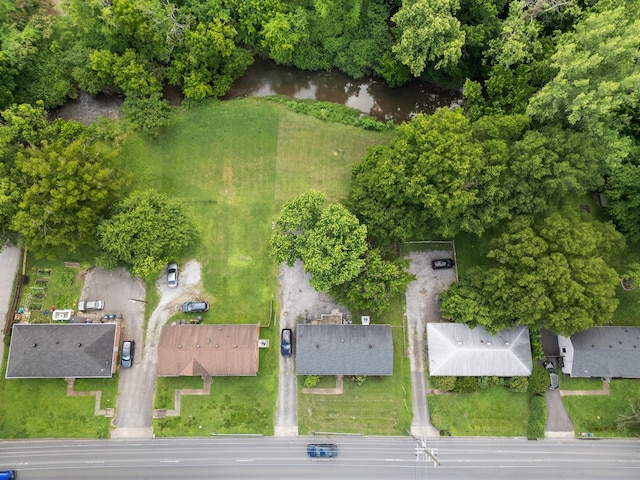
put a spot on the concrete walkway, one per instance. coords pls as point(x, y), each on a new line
point(175, 412)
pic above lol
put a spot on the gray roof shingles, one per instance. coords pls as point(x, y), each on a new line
point(344, 350)
point(457, 350)
point(606, 352)
point(62, 350)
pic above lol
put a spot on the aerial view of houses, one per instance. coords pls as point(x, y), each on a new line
point(322, 218)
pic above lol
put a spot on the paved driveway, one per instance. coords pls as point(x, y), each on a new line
point(9, 263)
point(125, 295)
point(422, 307)
point(297, 300)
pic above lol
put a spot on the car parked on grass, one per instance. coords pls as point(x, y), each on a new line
point(172, 275)
point(320, 450)
point(286, 347)
point(128, 351)
point(90, 305)
point(195, 307)
point(439, 263)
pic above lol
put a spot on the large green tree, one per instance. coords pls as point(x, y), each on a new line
point(434, 176)
point(65, 189)
point(551, 273)
point(428, 34)
point(332, 245)
point(146, 230)
point(597, 85)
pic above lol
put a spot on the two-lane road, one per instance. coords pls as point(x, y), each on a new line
point(367, 458)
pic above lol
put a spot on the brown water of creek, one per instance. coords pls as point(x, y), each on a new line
point(263, 78)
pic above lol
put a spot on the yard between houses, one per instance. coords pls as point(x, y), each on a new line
point(496, 411)
point(234, 163)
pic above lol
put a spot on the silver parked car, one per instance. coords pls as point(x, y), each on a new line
point(172, 275)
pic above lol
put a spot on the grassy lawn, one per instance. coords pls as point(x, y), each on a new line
point(234, 163)
point(599, 414)
point(495, 411)
point(40, 408)
point(380, 406)
point(568, 383)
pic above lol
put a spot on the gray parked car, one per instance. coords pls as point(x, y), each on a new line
point(553, 375)
point(128, 351)
point(90, 305)
point(172, 275)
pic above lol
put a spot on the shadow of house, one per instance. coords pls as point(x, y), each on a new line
point(456, 350)
point(602, 352)
point(344, 349)
point(208, 350)
point(63, 350)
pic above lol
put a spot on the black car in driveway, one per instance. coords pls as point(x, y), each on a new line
point(195, 307)
point(286, 348)
point(320, 450)
point(439, 263)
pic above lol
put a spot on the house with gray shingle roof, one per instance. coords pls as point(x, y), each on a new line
point(344, 349)
point(454, 349)
point(602, 352)
point(80, 350)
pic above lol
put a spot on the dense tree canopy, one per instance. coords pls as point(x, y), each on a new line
point(57, 181)
point(146, 230)
point(332, 245)
point(552, 273)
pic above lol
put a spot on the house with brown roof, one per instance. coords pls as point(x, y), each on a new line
point(208, 350)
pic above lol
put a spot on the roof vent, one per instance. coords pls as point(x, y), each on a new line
point(370, 346)
point(488, 343)
point(459, 342)
point(35, 345)
point(79, 344)
point(342, 340)
point(179, 346)
point(235, 346)
point(506, 343)
point(198, 346)
point(317, 345)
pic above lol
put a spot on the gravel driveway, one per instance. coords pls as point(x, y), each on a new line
point(422, 307)
point(298, 302)
point(126, 295)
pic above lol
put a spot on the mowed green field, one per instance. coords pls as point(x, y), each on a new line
point(235, 163)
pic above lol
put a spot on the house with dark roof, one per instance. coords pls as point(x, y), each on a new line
point(344, 349)
point(208, 350)
point(84, 350)
point(602, 352)
point(454, 349)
